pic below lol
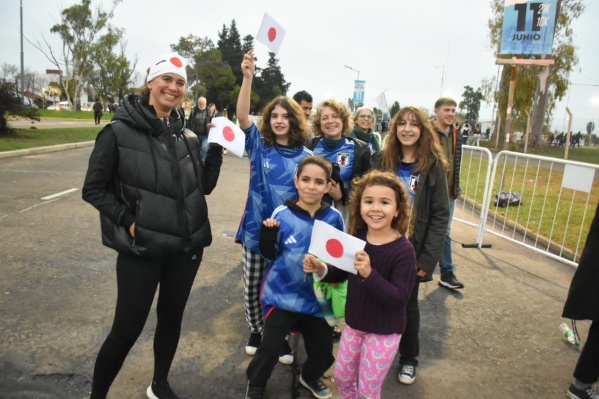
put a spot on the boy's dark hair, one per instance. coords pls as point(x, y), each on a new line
point(302, 95)
point(324, 163)
point(444, 101)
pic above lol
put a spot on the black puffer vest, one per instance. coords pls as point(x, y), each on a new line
point(158, 178)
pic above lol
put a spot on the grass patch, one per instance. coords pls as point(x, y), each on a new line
point(31, 138)
point(65, 114)
point(580, 154)
point(557, 213)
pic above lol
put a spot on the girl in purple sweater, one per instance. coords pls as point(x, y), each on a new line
point(375, 311)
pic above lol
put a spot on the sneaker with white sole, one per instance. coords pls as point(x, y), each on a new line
point(253, 343)
point(160, 390)
point(286, 356)
point(407, 374)
point(575, 393)
point(317, 387)
point(449, 280)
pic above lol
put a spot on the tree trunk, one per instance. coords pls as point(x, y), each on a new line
point(539, 106)
point(501, 106)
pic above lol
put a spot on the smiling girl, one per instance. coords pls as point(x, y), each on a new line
point(377, 295)
point(414, 154)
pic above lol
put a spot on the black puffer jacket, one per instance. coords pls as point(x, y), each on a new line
point(147, 170)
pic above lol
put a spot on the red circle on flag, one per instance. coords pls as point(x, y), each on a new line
point(176, 62)
point(272, 34)
point(334, 248)
point(228, 134)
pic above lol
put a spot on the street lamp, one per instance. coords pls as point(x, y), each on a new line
point(442, 76)
point(355, 70)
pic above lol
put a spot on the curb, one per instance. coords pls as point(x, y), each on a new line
point(43, 150)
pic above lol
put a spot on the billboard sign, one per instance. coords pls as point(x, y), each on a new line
point(529, 26)
point(358, 98)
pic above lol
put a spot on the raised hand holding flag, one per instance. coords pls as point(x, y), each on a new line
point(271, 33)
point(335, 247)
point(227, 134)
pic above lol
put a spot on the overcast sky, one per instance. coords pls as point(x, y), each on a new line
point(400, 47)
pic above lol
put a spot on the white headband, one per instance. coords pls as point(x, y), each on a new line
point(168, 63)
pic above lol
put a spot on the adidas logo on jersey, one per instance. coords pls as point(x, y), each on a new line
point(290, 240)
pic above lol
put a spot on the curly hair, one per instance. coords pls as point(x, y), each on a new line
point(385, 179)
point(299, 133)
point(427, 145)
point(340, 108)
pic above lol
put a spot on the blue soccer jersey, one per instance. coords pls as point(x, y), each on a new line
point(285, 285)
point(343, 155)
point(271, 184)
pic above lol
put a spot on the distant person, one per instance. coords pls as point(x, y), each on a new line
point(582, 304)
point(198, 123)
point(363, 122)
point(375, 310)
point(153, 212)
point(488, 133)
point(465, 133)
point(476, 135)
point(452, 150)
point(287, 292)
point(304, 99)
point(98, 108)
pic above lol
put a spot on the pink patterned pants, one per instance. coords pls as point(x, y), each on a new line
point(363, 361)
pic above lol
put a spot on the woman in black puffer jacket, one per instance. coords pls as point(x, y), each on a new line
point(146, 179)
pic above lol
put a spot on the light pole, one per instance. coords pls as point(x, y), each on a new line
point(442, 76)
point(355, 70)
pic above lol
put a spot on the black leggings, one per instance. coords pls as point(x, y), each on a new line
point(137, 280)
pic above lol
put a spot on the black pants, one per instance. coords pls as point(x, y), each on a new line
point(587, 368)
point(97, 117)
point(137, 280)
point(409, 346)
point(318, 340)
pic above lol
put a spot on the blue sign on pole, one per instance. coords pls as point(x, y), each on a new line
point(528, 27)
point(358, 99)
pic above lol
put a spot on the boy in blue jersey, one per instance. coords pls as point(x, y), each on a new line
point(288, 297)
point(274, 151)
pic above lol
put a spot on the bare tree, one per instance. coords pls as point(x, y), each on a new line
point(79, 29)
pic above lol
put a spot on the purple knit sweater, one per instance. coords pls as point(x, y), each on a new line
point(377, 304)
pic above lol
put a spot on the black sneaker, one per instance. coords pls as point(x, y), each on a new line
point(254, 392)
point(407, 374)
point(575, 393)
point(450, 281)
point(253, 343)
point(286, 356)
point(160, 390)
point(317, 387)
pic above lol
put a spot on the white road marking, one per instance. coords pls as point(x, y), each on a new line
point(49, 197)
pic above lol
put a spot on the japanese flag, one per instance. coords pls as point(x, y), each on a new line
point(271, 33)
point(227, 134)
point(335, 247)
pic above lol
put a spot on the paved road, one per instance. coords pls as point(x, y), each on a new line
point(497, 338)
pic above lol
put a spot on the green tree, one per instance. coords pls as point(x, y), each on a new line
point(229, 43)
point(539, 88)
point(11, 104)
point(394, 109)
point(590, 128)
point(271, 82)
point(470, 103)
point(215, 78)
point(113, 72)
point(79, 29)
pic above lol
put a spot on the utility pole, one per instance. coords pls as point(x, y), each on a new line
point(22, 59)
